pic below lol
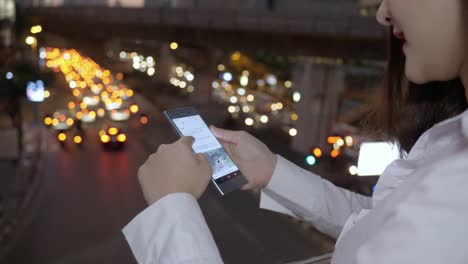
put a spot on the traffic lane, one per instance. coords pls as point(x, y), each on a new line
point(92, 194)
point(88, 196)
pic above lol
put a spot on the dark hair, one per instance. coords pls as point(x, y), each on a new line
point(405, 109)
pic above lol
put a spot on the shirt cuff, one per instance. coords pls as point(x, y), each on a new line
point(281, 173)
point(172, 230)
point(267, 202)
point(290, 186)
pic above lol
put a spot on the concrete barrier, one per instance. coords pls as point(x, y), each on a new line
point(9, 144)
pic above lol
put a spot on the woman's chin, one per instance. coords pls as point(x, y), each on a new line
point(416, 80)
point(415, 77)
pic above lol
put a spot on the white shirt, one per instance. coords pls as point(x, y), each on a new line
point(417, 214)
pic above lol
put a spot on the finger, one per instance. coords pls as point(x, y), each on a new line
point(203, 159)
point(161, 147)
point(187, 141)
point(226, 135)
point(227, 146)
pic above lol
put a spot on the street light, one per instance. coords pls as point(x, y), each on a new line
point(292, 132)
point(30, 40)
point(249, 121)
point(174, 45)
point(311, 160)
point(296, 97)
point(36, 29)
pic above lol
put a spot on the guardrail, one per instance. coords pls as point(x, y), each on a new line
point(348, 26)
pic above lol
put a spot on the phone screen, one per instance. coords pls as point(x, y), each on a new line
point(207, 143)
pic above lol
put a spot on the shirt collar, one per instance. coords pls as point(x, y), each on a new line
point(440, 129)
point(453, 119)
point(462, 118)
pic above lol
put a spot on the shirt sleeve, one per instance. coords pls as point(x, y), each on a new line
point(428, 225)
point(300, 193)
point(172, 230)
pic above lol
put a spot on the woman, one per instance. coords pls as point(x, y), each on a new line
point(419, 210)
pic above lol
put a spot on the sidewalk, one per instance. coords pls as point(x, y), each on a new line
point(19, 181)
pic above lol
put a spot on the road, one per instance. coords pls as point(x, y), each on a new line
point(88, 195)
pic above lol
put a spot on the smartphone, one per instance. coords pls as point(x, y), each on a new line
point(187, 121)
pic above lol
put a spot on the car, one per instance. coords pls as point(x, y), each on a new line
point(76, 137)
point(62, 121)
point(121, 114)
point(112, 104)
point(88, 116)
point(91, 100)
point(112, 137)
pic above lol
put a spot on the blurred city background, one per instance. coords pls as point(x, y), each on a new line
point(83, 84)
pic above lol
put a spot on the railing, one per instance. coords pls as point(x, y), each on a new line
point(225, 19)
point(335, 7)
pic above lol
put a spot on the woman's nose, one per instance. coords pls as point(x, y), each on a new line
point(383, 14)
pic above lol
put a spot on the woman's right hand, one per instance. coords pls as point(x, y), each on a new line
point(253, 157)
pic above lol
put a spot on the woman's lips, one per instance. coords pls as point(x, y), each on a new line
point(400, 36)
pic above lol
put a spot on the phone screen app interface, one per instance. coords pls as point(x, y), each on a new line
point(206, 142)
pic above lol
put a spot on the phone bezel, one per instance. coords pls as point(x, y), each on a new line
point(227, 186)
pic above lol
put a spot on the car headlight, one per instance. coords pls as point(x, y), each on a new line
point(105, 139)
point(121, 138)
point(62, 137)
point(78, 139)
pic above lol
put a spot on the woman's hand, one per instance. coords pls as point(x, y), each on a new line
point(253, 158)
point(174, 169)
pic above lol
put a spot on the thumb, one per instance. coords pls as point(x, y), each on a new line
point(226, 135)
point(203, 159)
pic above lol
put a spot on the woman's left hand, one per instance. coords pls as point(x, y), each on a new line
point(174, 169)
